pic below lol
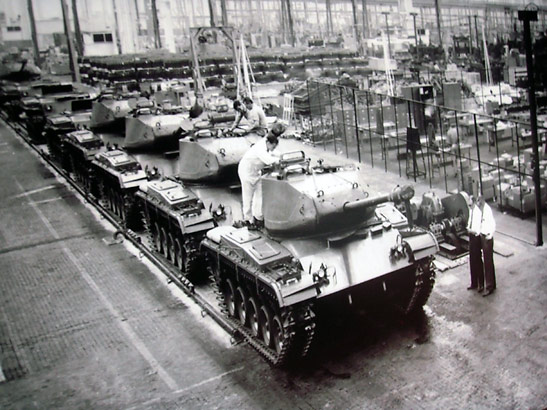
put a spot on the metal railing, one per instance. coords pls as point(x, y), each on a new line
point(448, 148)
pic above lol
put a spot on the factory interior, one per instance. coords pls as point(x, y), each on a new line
point(142, 269)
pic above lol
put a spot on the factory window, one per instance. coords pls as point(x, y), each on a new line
point(102, 38)
point(14, 28)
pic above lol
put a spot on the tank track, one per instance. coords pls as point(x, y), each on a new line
point(192, 262)
point(423, 285)
point(298, 323)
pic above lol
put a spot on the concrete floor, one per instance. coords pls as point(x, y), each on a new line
point(84, 324)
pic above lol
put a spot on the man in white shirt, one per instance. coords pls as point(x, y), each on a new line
point(481, 227)
point(249, 170)
point(255, 119)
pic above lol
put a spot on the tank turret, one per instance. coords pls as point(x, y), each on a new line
point(212, 158)
point(149, 127)
point(319, 200)
point(110, 110)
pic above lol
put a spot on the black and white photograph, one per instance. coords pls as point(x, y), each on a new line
point(273, 204)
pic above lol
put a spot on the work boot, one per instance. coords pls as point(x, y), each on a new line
point(241, 224)
point(259, 223)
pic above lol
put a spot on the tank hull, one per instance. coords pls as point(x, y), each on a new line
point(212, 159)
point(110, 114)
point(158, 132)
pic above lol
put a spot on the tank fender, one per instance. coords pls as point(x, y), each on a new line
point(196, 222)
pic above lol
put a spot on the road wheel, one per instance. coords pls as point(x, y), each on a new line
point(241, 305)
point(158, 240)
point(179, 255)
point(252, 313)
point(172, 253)
point(229, 298)
point(121, 208)
point(278, 334)
point(165, 243)
point(265, 324)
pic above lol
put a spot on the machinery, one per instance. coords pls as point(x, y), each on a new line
point(176, 221)
point(447, 219)
point(36, 110)
point(80, 148)
point(119, 177)
point(57, 125)
point(327, 241)
point(205, 156)
point(150, 128)
point(30, 113)
point(109, 111)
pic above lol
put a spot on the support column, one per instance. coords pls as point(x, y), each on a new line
point(477, 33)
point(70, 43)
point(329, 18)
point(116, 27)
point(526, 16)
point(77, 31)
point(156, 25)
point(415, 35)
point(290, 22)
point(211, 12)
point(438, 13)
point(365, 16)
point(470, 36)
point(34, 35)
point(386, 13)
point(224, 12)
point(355, 26)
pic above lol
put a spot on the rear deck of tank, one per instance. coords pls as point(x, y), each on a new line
point(86, 322)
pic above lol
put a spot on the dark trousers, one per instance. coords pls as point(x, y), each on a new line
point(487, 246)
point(481, 261)
point(475, 261)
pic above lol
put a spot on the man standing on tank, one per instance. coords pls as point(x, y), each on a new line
point(249, 170)
point(253, 114)
point(481, 227)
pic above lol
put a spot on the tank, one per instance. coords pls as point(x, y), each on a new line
point(55, 128)
point(79, 149)
point(119, 176)
point(57, 125)
point(212, 158)
point(328, 241)
point(37, 109)
point(175, 221)
point(150, 128)
point(11, 92)
point(18, 66)
point(109, 111)
point(31, 115)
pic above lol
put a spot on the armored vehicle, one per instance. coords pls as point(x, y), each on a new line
point(57, 125)
point(36, 113)
point(327, 241)
point(80, 148)
point(150, 128)
point(110, 110)
point(10, 92)
point(176, 221)
point(119, 176)
point(212, 158)
point(30, 113)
